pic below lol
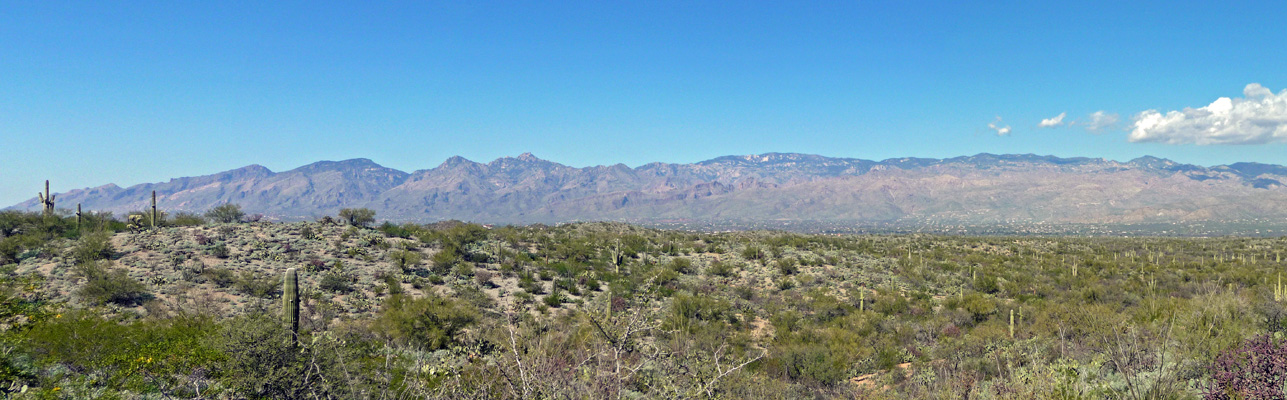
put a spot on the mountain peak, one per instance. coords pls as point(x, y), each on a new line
point(350, 164)
point(528, 157)
point(455, 161)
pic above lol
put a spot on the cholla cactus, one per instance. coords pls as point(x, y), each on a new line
point(135, 222)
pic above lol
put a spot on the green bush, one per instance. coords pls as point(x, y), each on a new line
point(93, 247)
point(752, 253)
point(336, 281)
point(261, 362)
point(221, 277)
point(405, 260)
point(358, 216)
point(721, 269)
point(554, 299)
point(219, 250)
point(187, 219)
point(682, 265)
point(15, 248)
point(156, 355)
point(258, 285)
point(431, 322)
point(444, 260)
point(226, 213)
point(104, 284)
point(810, 364)
point(788, 266)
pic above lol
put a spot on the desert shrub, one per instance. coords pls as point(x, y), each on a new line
point(226, 213)
point(682, 265)
point(307, 233)
point(143, 355)
point(752, 253)
point(786, 283)
point(463, 269)
point(261, 362)
point(688, 313)
point(358, 216)
point(444, 260)
point(187, 219)
point(788, 266)
point(405, 260)
point(987, 283)
point(554, 299)
point(529, 283)
point(391, 282)
point(567, 285)
point(11, 222)
point(979, 307)
point(1255, 370)
point(336, 281)
point(721, 269)
point(105, 284)
point(484, 278)
point(431, 322)
point(17, 247)
point(892, 303)
point(258, 285)
point(93, 247)
point(808, 363)
point(219, 250)
point(405, 231)
point(221, 277)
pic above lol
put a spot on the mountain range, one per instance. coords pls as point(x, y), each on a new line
point(979, 189)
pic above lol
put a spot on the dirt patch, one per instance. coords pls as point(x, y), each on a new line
point(869, 381)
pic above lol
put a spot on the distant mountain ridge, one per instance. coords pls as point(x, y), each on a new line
point(984, 188)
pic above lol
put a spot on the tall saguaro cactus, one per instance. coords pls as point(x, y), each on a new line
point(290, 302)
point(46, 199)
point(77, 217)
point(153, 209)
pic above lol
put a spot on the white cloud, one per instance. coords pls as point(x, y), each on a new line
point(996, 126)
point(1260, 117)
point(1099, 120)
point(1053, 122)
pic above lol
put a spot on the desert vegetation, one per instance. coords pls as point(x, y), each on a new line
point(193, 309)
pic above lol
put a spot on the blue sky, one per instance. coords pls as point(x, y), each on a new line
point(132, 92)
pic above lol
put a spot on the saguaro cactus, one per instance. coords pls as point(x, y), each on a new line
point(46, 199)
point(153, 209)
point(290, 302)
point(77, 217)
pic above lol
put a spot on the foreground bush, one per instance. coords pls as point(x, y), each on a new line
point(1255, 370)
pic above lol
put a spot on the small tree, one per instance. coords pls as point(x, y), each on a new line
point(358, 216)
point(226, 213)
